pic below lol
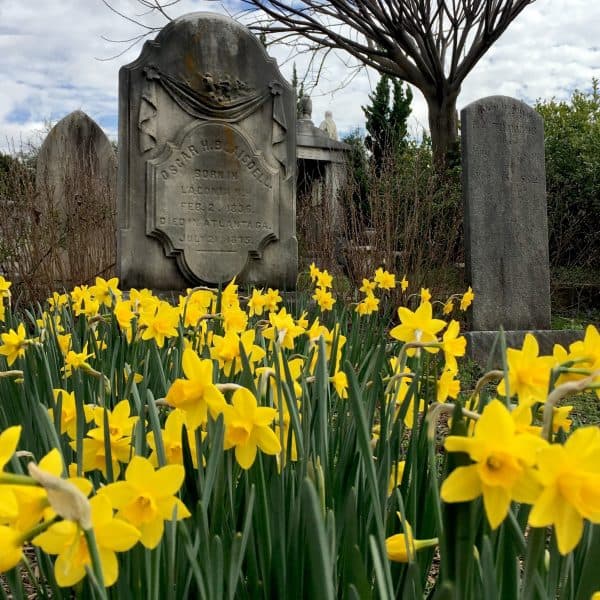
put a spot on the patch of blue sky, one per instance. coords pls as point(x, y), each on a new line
point(19, 115)
point(108, 122)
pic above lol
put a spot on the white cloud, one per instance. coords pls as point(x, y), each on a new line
point(48, 65)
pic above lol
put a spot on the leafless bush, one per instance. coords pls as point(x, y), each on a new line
point(49, 242)
point(409, 221)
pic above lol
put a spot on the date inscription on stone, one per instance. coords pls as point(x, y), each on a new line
point(210, 201)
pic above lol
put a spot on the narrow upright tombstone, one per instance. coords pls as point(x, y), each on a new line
point(76, 180)
point(207, 164)
point(506, 223)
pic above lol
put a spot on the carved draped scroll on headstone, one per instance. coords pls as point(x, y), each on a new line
point(207, 171)
point(506, 224)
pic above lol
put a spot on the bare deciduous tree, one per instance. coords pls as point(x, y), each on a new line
point(432, 44)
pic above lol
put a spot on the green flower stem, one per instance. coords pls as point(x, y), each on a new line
point(14, 479)
point(90, 539)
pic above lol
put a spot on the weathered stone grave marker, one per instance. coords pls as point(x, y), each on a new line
point(207, 165)
point(76, 178)
point(506, 223)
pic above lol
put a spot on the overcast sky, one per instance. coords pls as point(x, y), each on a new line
point(50, 51)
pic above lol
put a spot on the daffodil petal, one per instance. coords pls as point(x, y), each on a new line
point(462, 485)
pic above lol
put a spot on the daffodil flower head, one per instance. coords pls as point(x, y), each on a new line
point(467, 299)
point(247, 428)
point(67, 540)
point(402, 547)
point(196, 394)
point(528, 373)
point(570, 478)
point(503, 464)
point(384, 279)
point(146, 499)
point(417, 326)
point(14, 344)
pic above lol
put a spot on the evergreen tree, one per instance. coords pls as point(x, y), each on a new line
point(387, 119)
point(399, 113)
point(377, 124)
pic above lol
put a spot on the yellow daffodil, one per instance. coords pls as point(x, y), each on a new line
point(368, 305)
point(120, 429)
point(323, 298)
point(314, 272)
point(195, 306)
point(295, 367)
point(226, 350)
point(235, 319)
point(503, 464)
point(340, 383)
point(57, 301)
point(9, 440)
point(171, 439)
point(528, 373)
point(146, 498)
point(14, 344)
point(368, 286)
point(33, 501)
point(447, 386)
point(402, 547)
point(67, 539)
point(425, 295)
point(124, 314)
point(418, 326)
point(229, 296)
point(84, 303)
point(404, 284)
point(384, 279)
point(587, 353)
point(247, 428)
point(11, 542)
point(196, 394)
point(396, 474)
point(454, 345)
point(324, 279)
point(76, 360)
point(160, 324)
point(4, 287)
point(64, 342)
point(106, 292)
point(467, 299)
point(256, 303)
point(283, 328)
point(448, 306)
point(570, 479)
point(272, 300)
point(68, 412)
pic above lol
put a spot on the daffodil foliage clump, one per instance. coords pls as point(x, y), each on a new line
point(230, 446)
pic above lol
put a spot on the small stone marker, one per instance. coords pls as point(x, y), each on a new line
point(76, 179)
point(506, 223)
point(207, 164)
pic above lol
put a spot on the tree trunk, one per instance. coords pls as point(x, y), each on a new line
point(443, 125)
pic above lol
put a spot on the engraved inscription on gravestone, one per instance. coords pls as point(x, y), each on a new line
point(207, 168)
point(506, 231)
point(224, 208)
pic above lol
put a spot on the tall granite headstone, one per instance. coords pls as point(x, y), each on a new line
point(506, 223)
point(76, 180)
point(207, 163)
